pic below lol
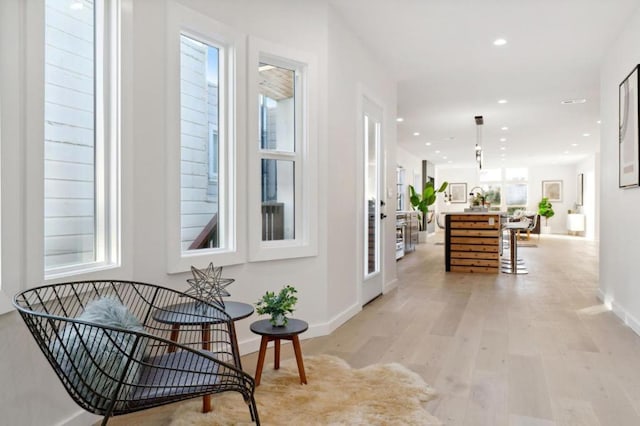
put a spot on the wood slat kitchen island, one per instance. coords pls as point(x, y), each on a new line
point(472, 242)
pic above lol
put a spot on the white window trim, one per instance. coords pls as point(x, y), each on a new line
point(22, 149)
point(305, 243)
point(11, 148)
point(182, 20)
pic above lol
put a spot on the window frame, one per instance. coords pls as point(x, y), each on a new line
point(184, 21)
point(304, 243)
point(107, 164)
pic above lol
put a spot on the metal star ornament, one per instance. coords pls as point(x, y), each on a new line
point(207, 284)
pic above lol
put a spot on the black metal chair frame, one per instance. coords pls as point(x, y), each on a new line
point(171, 368)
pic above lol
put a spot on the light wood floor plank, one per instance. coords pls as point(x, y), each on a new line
point(528, 392)
point(528, 350)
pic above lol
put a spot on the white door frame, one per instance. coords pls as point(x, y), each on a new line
point(370, 285)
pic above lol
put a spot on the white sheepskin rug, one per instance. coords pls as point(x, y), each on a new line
point(336, 394)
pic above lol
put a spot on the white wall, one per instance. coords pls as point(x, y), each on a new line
point(412, 169)
point(619, 230)
point(351, 70)
point(328, 283)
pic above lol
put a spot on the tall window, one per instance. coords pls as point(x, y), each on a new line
point(279, 124)
point(79, 139)
point(514, 183)
point(282, 204)
point(201, 183)
point(516, 189)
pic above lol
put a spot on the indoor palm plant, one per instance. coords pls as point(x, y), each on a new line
point(421, 202)
point(278, 305)
point(545, 209)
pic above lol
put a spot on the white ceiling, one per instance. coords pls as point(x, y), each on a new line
point(441, 53)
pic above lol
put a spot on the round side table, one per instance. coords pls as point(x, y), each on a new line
point(270, 333)
point(190, 313)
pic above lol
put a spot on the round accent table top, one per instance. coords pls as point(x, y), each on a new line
point(293, 327)
point(191, 313)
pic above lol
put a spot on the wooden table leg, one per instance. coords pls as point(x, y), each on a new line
point(276, 354)
point(261, 354)
point(206, 337)
point(298, 351)
point(175, 332)
point(236, 348)
point(206, 345)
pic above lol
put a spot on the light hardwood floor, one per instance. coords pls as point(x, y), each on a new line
point(535, 350)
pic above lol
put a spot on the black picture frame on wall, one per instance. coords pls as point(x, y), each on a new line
point(628, 131)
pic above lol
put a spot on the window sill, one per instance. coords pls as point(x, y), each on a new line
point(202, 258)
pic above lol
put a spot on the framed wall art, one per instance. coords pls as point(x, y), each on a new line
point(628, 137)
point(458, 192)
point(552, 189)
point(580, 189)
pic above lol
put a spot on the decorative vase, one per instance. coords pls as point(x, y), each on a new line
point(278, 320)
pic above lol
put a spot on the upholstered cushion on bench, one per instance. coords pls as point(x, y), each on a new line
point(186, 372)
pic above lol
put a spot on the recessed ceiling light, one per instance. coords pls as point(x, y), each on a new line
point(566, 152)
point(503, 139)
point(416, 133)
point(499, 42)
point(574, 144)
point(399, 119)
point(504, 128)
point(428, 144)
point(449, 161)
point(586, 134)
point(573, 101)
point(437, 152)
point(503, 155)
point(502, 148)
point(599, 121)
point(444, 158)
point(502, 101)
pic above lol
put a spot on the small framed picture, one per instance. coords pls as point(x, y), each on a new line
point(580, 189)
point(628, 131)
point(458, 192)
point(552, 189)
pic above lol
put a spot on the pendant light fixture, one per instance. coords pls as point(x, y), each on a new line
point(479, 123)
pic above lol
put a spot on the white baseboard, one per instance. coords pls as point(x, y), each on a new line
point(633, 323)
point(252, 344)
point(80, 418)
point(629, 320)
point(389, 286)
point(619, 311)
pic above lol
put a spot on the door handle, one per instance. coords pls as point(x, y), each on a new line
point(382, 216)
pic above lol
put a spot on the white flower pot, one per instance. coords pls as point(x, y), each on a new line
point(422, 236)
point(545, 229)
point(279, 320)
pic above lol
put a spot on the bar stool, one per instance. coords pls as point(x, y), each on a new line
point(513, 267)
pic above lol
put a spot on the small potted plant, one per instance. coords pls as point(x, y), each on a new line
point(278, 305)
point(545, 209)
